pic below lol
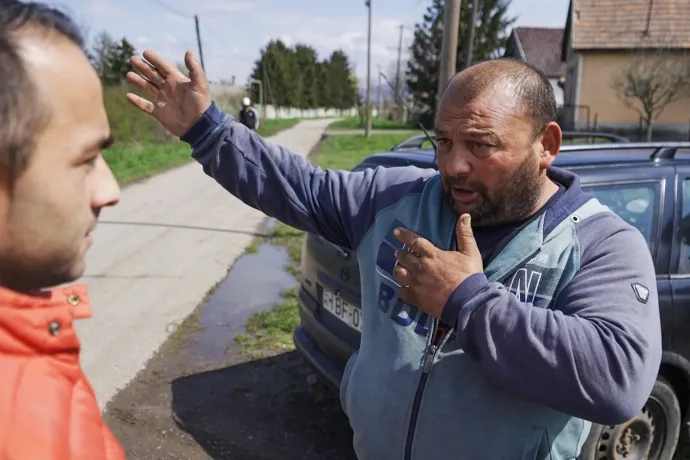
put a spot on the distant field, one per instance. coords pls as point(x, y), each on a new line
point(376, 123)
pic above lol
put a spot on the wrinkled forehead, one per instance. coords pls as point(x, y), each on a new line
point(494, 106)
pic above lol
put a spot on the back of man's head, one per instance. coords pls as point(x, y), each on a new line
point(22, 113)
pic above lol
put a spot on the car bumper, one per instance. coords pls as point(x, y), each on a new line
point(319, 346)
point(325, 369)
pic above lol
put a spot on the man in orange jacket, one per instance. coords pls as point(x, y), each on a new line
point(53, 184)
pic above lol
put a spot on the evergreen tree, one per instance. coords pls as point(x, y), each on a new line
point(491, 34)
point(307, 65)
point(111, 59)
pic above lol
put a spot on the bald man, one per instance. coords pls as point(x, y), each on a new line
point(513, 366)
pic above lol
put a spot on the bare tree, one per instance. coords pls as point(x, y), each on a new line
point(651, 82)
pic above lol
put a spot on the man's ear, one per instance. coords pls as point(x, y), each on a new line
point(551, 140)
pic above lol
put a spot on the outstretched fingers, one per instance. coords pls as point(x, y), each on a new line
point(149, 72)
point(160, 64)
point(141, 103)
point(143, 84)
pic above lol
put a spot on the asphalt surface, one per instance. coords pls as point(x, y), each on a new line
point(155, 257)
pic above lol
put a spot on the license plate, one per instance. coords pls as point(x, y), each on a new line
point(344, 311)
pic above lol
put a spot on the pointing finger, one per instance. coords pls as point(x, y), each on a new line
point(143, 84)
point(163, 66)
point(415, 242)
point(141, 103)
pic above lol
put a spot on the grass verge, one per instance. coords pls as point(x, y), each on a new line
point(271, 331)
point(133, 161)
point(269, 128)
point(376, 123)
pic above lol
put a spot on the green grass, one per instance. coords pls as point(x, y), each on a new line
point(376, 123)
point(344, 152)
point(271, 331)
point(131, 162)
point(270, 127)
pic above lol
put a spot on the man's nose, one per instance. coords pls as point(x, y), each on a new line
point(457, 162)
point(106, 188)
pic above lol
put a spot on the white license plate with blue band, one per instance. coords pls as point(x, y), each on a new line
point(342, 309)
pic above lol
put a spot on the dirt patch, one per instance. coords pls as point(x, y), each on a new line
point(201, 397)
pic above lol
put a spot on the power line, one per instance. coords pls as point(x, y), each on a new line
point(170, 8)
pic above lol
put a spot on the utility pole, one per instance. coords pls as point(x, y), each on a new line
point(470, 38)
point(198, 40)
point(367, 129)
point(397, 76)
point(451, 28)
point(379, 91)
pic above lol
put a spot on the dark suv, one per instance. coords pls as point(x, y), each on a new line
point(647, 184)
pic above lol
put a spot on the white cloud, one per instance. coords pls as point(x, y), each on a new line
point(142, 40)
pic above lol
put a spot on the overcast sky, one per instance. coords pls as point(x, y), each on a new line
point(233, 31)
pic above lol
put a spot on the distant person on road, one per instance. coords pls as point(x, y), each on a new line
point(539, 304)
point(249, 116)
point(53, 184)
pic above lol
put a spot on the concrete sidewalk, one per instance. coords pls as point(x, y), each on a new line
point(156, 255)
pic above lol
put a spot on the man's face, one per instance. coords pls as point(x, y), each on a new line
point(46, 218)
point(489, 159)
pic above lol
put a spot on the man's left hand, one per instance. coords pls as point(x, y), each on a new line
point(430, 275)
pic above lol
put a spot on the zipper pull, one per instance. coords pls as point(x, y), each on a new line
point(429, 359)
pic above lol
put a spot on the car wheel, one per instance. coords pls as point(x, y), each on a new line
point(652, 434)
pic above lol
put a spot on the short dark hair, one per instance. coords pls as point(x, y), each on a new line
point(532, 88)
point(22, 112)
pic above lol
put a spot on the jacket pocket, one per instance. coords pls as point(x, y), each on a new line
point(346, 379)
point(538, 446)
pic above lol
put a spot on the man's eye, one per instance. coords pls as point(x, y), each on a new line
point(479, 145)
point(442, 141)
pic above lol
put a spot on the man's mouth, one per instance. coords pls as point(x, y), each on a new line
point(464, 195)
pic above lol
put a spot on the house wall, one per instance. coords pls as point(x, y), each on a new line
point(598, 70)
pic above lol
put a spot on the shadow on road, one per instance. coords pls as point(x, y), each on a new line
point(262, 409)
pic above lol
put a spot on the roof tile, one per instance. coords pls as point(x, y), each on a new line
point(542, 48)
point(623, 24)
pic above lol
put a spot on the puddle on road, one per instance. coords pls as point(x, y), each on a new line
point(254, 284)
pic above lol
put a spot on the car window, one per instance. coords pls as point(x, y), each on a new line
point(684, 261)
point(635, 203)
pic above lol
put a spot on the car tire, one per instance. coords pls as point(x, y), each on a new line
point(652, 434)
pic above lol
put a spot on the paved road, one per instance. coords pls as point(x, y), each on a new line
point(156, 255)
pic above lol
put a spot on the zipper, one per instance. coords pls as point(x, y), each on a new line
point(429, 357)
point(515, 269)
point(426, 368)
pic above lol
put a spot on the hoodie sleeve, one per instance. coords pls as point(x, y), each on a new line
point(595, 353)
point(338, 205)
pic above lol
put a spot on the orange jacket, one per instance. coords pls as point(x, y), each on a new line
point(48, 410)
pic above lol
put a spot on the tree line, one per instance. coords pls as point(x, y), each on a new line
point(295, 77)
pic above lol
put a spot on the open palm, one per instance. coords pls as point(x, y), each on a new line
point(176, 101)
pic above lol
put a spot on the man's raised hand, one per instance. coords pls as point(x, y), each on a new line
point(175, 100)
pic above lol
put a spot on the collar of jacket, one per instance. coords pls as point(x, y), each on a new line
point(43, 322)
